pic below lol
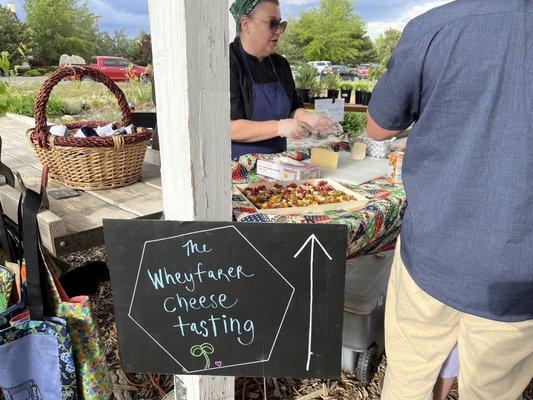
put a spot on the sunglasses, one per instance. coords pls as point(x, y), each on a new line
point(274, 24)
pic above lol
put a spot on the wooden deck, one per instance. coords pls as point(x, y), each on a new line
point(76, 223)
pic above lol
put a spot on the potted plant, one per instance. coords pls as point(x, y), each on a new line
point(346, 91)
point(332, 83)
point(316, 91)
point(363, 92)
point(305, 79)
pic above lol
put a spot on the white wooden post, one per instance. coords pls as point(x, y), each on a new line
point(232, 26)
point(191, 67)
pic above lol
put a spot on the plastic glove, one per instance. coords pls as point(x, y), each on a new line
point(320, 122)
point(292, 128)
point(334, 129)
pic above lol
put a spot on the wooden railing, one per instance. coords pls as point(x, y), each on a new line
point(347, 107)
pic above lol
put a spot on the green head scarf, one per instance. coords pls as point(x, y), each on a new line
point(241, 8)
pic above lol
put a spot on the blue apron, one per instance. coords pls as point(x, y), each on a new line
point(271, 102)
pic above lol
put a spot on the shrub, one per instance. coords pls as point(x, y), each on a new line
point(307, 77)
point(37, 63)
point(364, 85)
point(33, 72)
point(346, 85)
point(331, 81)
point(354, 124)
point(74, 107)
point(376, 72)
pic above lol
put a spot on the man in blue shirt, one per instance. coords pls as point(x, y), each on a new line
point(463, 74)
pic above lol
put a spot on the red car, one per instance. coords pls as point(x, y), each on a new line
point(117, 69)
point(362, 70)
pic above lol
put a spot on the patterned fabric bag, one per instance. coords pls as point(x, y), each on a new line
point(12, 294)
point(94, 379)
point(7, 283)
point(37, 354)
point(36, 351)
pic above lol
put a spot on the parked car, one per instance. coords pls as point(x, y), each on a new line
point(362, 70)
point(320, 65)
point(116, 68)
point(343, 71)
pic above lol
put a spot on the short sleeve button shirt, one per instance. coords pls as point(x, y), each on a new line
point(463, 74)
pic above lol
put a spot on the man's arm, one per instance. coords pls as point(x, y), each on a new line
point(376, 132)
point(396, 99)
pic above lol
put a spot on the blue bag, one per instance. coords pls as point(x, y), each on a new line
point(36, 360)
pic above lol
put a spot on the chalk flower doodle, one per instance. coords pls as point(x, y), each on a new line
point(203, 350)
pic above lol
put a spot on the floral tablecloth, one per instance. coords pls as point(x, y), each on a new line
point(370, 230)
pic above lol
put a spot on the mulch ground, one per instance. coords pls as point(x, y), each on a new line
point(154, 387)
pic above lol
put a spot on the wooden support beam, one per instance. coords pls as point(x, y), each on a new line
point(191, 66)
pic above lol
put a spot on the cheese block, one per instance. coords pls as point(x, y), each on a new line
point(358, 151)
point(324, 158)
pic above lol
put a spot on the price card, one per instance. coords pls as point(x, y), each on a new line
point(332, 107)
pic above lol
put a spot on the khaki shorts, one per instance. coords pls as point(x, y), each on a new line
point(496, 358)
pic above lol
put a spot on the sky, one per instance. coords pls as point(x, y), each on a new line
point(132, 15)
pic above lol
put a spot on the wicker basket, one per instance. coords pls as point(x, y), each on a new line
point(90, 163)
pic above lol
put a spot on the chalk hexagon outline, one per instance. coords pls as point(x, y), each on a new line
point(258, 252)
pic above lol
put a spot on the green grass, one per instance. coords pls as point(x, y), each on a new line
point(93, 101)
point(87, 100)
point(24, 104)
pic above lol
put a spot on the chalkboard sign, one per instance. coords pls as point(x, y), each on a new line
point(227, 298)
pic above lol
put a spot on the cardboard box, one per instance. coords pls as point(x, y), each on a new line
point(285, 170)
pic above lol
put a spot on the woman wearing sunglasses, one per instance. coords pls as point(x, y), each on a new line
point(265, 107)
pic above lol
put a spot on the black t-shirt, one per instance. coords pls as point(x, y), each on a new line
point(242, 105)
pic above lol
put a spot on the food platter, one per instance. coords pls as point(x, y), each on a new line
point(297, 197)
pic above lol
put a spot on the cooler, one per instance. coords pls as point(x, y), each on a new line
point(364, 307)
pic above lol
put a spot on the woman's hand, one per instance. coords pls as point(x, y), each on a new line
point(292, 128)
point(319, 122)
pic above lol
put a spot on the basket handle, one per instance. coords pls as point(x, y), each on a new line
point(41, 131)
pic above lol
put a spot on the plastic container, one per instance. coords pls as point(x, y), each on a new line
point(364, 307)
point(377, 148)
point(395, 167)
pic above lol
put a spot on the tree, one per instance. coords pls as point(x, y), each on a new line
point(137, 50)
point(140, 50)
point(145, 48)
point(367, 53)
point(291, 46)
point(124, 45)
point(61, 27)
point(330, 32)
point(386, 43)
point(12, 34)
point(106, 45)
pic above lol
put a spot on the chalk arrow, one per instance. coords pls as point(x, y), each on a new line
point(312, 240)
